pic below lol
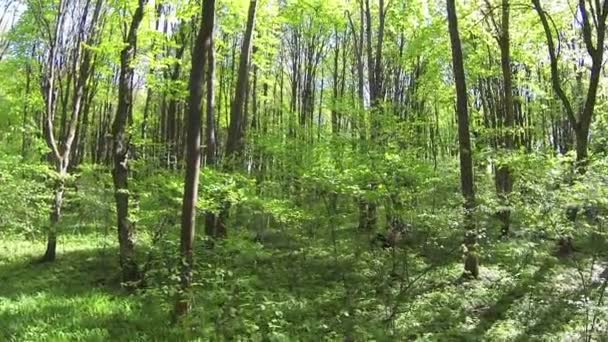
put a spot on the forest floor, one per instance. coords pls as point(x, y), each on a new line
point(249, 292)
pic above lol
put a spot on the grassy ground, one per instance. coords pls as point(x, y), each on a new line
point(75, 298)
point(259, 293)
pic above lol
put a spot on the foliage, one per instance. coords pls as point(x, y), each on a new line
point(321, 155)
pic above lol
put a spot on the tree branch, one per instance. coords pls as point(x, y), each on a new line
point(586, 28)
point(554, 66)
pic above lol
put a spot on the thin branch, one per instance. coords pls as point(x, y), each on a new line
point(586, 28)
point(554, 66)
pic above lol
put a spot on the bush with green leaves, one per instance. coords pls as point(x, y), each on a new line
point(24, 196)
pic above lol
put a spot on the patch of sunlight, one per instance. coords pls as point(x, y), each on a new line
point(45, 316)
point(504, 330)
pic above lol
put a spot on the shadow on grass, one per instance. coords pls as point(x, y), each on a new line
point(498, 310)
point(72, 273)
point(550, 319)
point(448, 317)
point(77, 297)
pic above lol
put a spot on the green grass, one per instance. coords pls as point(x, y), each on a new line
point(249, 292)
point(76, 298)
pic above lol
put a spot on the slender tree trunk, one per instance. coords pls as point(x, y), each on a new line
point(504, 176)
point(51, 248)
point(210, 130)
point(334, 109)
point(200, 55)
point(581, 122)
point(120, 174)
point(471, 260)
point(235, 144)
point(25, 139)
point(236, 132)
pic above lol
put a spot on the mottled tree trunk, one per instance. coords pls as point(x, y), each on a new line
point(120, 174)
point(61, 149)
point(55, 217)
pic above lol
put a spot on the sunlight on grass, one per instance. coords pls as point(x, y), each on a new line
point(74, 299)
point(247, 290)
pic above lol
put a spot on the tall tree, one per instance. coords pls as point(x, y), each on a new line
point(49, 93)
point(7, 20)
point(581, 121)
point(367, 209)
point(235, 144)
point(504, 176)
point(210, 129)
point(120, 173)
point(471, 260)
point(200, 56)
point(63, 45)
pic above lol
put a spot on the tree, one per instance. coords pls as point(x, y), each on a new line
point(200, 57)
point(471, 261)
point(66, 55)
point(325, 115)
point(235, 143)
point(368, 216)
point(581, 120)
point(120, 173)
point(504, 176)
point(210, 129)
point(7, 20)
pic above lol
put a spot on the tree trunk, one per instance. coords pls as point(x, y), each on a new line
point(61, 149)
point(55, 217)
point(235, 144)
point(193, 152)
point(471, 260)
point(28, 74)
point(581, 122)
point(236, 132)
point(120, 174)
point(504, 177)
point(210, 129)
point(334, 109)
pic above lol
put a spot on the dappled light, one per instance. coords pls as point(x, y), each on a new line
point(303, 170)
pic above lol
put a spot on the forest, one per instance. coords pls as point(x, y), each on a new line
point(303, 170)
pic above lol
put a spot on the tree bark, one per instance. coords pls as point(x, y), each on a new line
point(61, 149)
point(210, 129)
point(120, 174)
point(505, 139)
point(235, 144)
point(193, 152)
point(471, 260)
point(582, 121)
point(51, 247)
